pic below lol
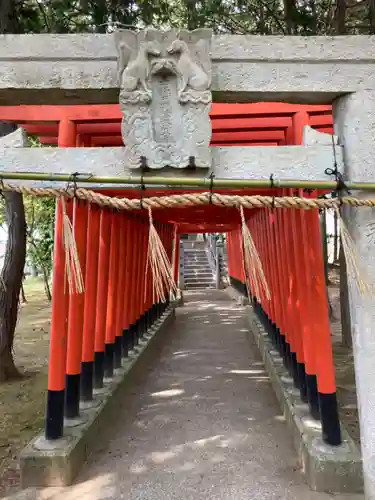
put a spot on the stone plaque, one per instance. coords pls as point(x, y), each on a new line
point(165, 96)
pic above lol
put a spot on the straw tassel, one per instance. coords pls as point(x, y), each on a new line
point(253, 269)
point(73, 272)
point(161, 268)
point(351, 258)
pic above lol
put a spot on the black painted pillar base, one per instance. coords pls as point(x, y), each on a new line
point(117, 354)
point(72, 387)
point(87, 374)
point(287, 362)
point(125, 343)
point(153, 314)
point(283, 348)
point(98, 370)
point(141, 327)
point(330, 419)
point(132, 336)
point(108, 360)
point(279, 342)
point(54, 425)
point(302, 381)
point(312, 396)
point(136, 332)
point(293, 362)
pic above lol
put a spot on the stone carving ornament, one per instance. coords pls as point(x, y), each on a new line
point(165, 96)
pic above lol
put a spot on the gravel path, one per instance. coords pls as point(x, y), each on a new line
point(204, 424)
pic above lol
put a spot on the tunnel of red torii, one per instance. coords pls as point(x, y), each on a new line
point(105, 323)
point(256, 124)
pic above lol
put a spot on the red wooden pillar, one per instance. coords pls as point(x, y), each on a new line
point(128, 291)
point(142, 321)
point(76, 312)
point(322, 334)
point(91, 281)
point(67, 134)
point(102, 295)
point(263, 255)
point(298, 300)
point(122, 227)
point(279, 281)
point(135, 283)
point(289, 291)
point(275, 304)
point(299, 120)
point(58, 335)
point(110, 326)
point(307, 310)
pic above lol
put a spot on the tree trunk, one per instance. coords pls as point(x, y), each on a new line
point(346, 329)
point(23, 296)
point(371, 16)
point(290, 10)
point(46, 284)
point(340, 17)
point(11, 274)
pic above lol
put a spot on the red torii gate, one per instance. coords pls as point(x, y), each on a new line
point(282, 240)
point(257, 124)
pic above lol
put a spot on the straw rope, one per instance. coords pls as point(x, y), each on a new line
point(191, 199)
point(253, 269)
point(157, 257)
point(73, 271)
point(161, 268)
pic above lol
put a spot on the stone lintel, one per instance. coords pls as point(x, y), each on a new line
point(82, 68)
point(285, 163)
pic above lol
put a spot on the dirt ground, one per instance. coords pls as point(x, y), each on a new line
point(22, 402)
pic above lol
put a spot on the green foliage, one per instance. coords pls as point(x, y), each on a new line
point(40, 218)
point(302, 17)
point(39, 215)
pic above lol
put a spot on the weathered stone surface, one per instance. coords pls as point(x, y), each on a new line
point(312, 137)
point(81, 69)
point(328, 469)
point(354, 117)
point(17, 139)
point(293, 162)
point(165, 96)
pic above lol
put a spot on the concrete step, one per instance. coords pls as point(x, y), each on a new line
point(199, 274)
point(199, 286)
point(204, 258)
point(199, 282)
point(197, 265)
point(195, 254)
point(196, 279)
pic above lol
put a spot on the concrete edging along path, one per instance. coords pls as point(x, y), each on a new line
point(327, 469)
point(56, 463)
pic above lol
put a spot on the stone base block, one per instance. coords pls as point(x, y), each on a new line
point(327, 468)
point(56, 463)
point(234, 295)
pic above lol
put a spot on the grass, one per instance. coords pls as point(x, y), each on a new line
point(22, 402)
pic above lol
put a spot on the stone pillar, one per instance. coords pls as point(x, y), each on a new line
point(354, 119)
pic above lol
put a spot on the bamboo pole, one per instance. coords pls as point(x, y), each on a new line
point(205, 182)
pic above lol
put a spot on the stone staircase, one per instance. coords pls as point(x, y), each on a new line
point(197, 270)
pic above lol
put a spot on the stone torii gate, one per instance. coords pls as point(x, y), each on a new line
point(82, 69)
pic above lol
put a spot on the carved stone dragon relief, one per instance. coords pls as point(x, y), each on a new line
point(165, 96)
